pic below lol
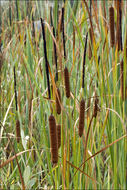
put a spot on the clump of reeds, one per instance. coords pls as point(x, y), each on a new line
point(53, 139)
point(81, 117)
point(58, 100)
point(67, 82)
point(59, 135)
point(111, 26)
point(18, 136)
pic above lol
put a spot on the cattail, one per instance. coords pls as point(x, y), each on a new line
point(18, 136)
point(53, 139)
point(67, 83)
point(121, 80)
point(111, 25)
point(96, 109)
point(58, 100)
point(119, 25)
point(81, 117)
point(59, 135)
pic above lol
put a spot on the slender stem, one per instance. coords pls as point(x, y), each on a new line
point(16, 105)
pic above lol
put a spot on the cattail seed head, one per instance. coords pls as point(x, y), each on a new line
point(81, 117)
point(53, 139)
point(18, 136)
point(96, 109)
point(58, 100)
point(118, 25)
point(111, 25)
point(59, 135)
point(67, 83)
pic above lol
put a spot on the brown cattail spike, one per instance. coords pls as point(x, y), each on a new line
point(111, 25)
point(96, 108)
point(18, 136)
point(121, 81)
point(59, 135)
point(58, 100)
point(67, 83)
point(81, 117)
point(118, 25)
point(53, 140)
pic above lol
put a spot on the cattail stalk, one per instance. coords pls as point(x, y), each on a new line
point(59, 135)
point(67, 82)
point(15, 90)
point(111, 25)
point(53, 139)
point(58, 100)
point(81, 117)
point(46, 59)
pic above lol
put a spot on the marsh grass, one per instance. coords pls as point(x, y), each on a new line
point(35, 61)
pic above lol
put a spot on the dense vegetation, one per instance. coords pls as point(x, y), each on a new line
point(63, 84)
